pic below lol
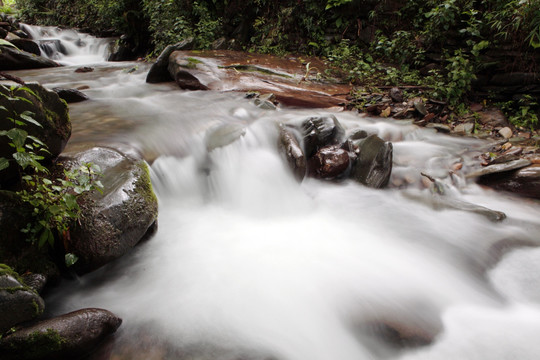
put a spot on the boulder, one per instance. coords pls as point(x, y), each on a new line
point(524, 181)
point(70, 95)
point(64, 337)
point(114, 221)
point(330, 162)
point(191, 73)
point(18, 302)
point(288, 145)
point(374, 164)
point(500, 168)
point(321, 131)
point(52, 47)
point(27, 45)
point(159, 70)
point(12, 58)
point(49, 111)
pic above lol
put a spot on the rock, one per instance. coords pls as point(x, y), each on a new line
point(18, 302)
point(64, 337)
point(464, 129)
point(506, 132)
point(321, 131)
point(71, 95)
point(330, 162)
point(11, 36)
point(159, 70)
point(84, 69)
point(396, 94)
point(492, 117)
point(525, 182)
point(36, 282)
point(442, 128)
point(420, 106)
point(52, 47)
point(15, 59)
point(116, 220)
point(374, 164)
point(288, 144)
point(21, 34)
point(190, 73)
point(3, 33)
point(48, 111)
point(27, 45)
point(500, 168)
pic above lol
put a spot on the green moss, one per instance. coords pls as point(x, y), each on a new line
point(143, 185)
point(253, 68)
point(191, 63)
point(6, 270)
point(38, 344)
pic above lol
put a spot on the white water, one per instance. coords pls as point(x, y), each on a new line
point(246, 259)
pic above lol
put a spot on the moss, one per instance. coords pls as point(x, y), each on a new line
point(143, 185)
point(253, 68)
point(191, 63)
point(38, 344)
point(6, 270)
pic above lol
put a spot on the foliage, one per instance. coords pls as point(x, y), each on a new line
point(53, 200)
point(522, 113)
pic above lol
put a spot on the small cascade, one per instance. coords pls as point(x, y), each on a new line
point(68, 46)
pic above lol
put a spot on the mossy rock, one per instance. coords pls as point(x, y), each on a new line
point(114, 221)
point(18, 302)
point(49, 111)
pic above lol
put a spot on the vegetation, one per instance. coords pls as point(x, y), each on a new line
point(53, 200)
point(442, 45)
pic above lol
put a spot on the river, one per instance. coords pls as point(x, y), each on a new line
point(250, 264)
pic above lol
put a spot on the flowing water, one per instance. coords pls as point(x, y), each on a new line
point(250, 264)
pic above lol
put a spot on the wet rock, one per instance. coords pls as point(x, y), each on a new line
point(52, 47)
point(190, 73)
point(506, 132)
point(114, 221)
point(500, 168)
point(464, 129)
point(27, 45)
point(36, 282)
point(329, 162)
point(84, 69)
point(442, 128)
point(358, 135)
point(3, 33)
point(159, 70)
point(48, 111)
point(64, 337)
point(71, 95)
point(396, 94)
point(12, 58)
point(420, 106)
point(289, 146)
point(374, 164)
point(18, 302)
point(400, 335)
point(321, 131)
point(525, 182)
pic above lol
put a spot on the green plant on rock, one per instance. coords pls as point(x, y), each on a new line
point(53, 201)
point(522, 113)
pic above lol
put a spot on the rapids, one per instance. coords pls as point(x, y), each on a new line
point(249, 263)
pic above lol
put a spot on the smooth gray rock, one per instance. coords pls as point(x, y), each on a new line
point(64, 337)
point(71, 95)
point(321, 131)
point(15, 59)
point(499, 168)
point(289, 146)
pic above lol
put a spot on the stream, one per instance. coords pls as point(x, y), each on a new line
point(248, 263)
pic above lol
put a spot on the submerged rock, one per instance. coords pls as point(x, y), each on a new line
point(500, 168)
point(330, 162)
point(70, 95)
point(223, 135)
point(374, 164)
point(114, 221)
point(18, 302)
point(64, 337)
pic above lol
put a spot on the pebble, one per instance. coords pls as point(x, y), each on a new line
point(506, 132)
point(507, 146)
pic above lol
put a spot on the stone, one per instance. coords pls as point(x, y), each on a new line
point(524, 182)
point(71, 95)
point(500, 168)
point(18, 302)
point(190, 73)
point(321, 131)
point(506, 132)
point(396, 94)
point(463, 129)
point(223, 135)
point(3, 33)
point(63, 337)
point(159, 70)
point(420, 106)
point(374, 164)
point(330, 162)
point(50, 123)
point(289, 146)
point(114, 221)
point(14, 59)
point(27, 45)
point(35, 282)
point(442, 128)
point(84, 69)
point(493, 117)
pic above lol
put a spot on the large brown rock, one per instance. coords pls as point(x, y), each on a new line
point(525, 181)
point(114, 221)
point(319, 132)
point(64, 337)
point(330, 162)
point(289, 146)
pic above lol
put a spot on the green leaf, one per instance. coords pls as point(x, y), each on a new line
point(18, 136)
point(70, 259)
point(43, 237)
point(7, 43)
point(30, 119)
point(4, 163)
point(3, 108)
point(71, 201)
